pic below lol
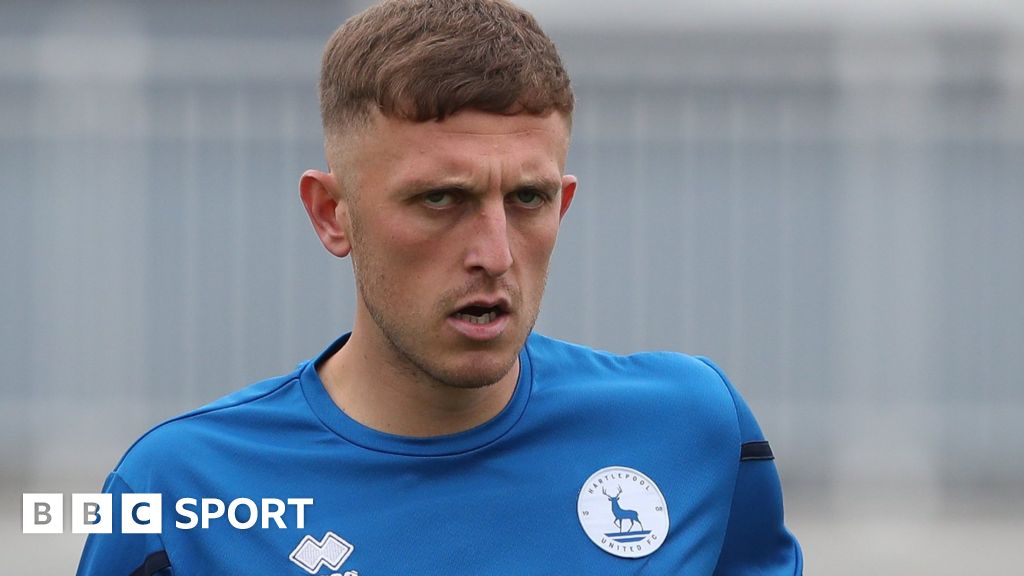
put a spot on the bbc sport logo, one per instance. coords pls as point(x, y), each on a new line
point(143, 513)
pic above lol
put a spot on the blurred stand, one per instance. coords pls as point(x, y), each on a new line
point(827, 199)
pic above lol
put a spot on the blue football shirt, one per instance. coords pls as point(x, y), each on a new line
point(600, 464)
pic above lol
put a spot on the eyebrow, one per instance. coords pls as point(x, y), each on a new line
point(420, 185)
point(544, 184)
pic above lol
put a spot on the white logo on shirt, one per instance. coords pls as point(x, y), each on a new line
point(623, 512)
point(330, 551)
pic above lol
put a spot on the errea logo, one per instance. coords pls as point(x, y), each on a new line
point(330, 551)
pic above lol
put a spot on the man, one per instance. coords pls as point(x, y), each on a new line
point(441, 436)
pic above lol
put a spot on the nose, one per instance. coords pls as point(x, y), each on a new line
point(488, 247)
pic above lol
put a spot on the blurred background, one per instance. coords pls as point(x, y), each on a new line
point(825, 197)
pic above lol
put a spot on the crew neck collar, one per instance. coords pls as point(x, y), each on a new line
point(447, 445)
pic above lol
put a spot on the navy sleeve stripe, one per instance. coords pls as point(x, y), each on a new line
point(756, 451)
point(154, 563)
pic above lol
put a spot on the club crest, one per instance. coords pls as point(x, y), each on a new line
point(623, 512)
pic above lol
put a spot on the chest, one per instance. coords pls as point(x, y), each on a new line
point(594, 501)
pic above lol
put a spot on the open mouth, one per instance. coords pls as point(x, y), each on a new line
point(480, 314)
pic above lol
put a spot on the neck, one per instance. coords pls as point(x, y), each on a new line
point(391, 395)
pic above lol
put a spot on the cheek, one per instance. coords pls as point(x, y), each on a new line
point(405, 258)
point(391, 237)
point(535, 243)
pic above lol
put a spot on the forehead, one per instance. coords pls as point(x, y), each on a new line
point(468, 141)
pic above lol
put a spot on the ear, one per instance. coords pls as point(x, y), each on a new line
point(568, 191)
point(328, 213)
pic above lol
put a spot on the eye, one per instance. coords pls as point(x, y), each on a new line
point(529, 197)
point(439, 198)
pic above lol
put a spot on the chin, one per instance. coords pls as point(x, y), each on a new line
point(476, 372)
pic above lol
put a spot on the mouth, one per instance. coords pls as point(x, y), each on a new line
point(480, 314)
point(480, 319)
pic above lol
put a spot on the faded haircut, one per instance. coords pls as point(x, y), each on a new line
point(424, 60)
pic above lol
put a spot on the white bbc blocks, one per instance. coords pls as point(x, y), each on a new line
point(92, 513)
point(42, 513)
point(141, 513)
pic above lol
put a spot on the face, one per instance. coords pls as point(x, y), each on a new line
point(451, 226)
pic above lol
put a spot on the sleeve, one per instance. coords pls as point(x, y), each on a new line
point(118, 554)
point(756, 539)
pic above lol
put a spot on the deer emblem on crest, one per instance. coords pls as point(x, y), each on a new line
point(621, 513)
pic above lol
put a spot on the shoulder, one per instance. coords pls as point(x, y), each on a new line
point(671, 384)
point(557, 357)
point(210, 430)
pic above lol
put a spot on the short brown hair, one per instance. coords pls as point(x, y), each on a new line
point(427, 59)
